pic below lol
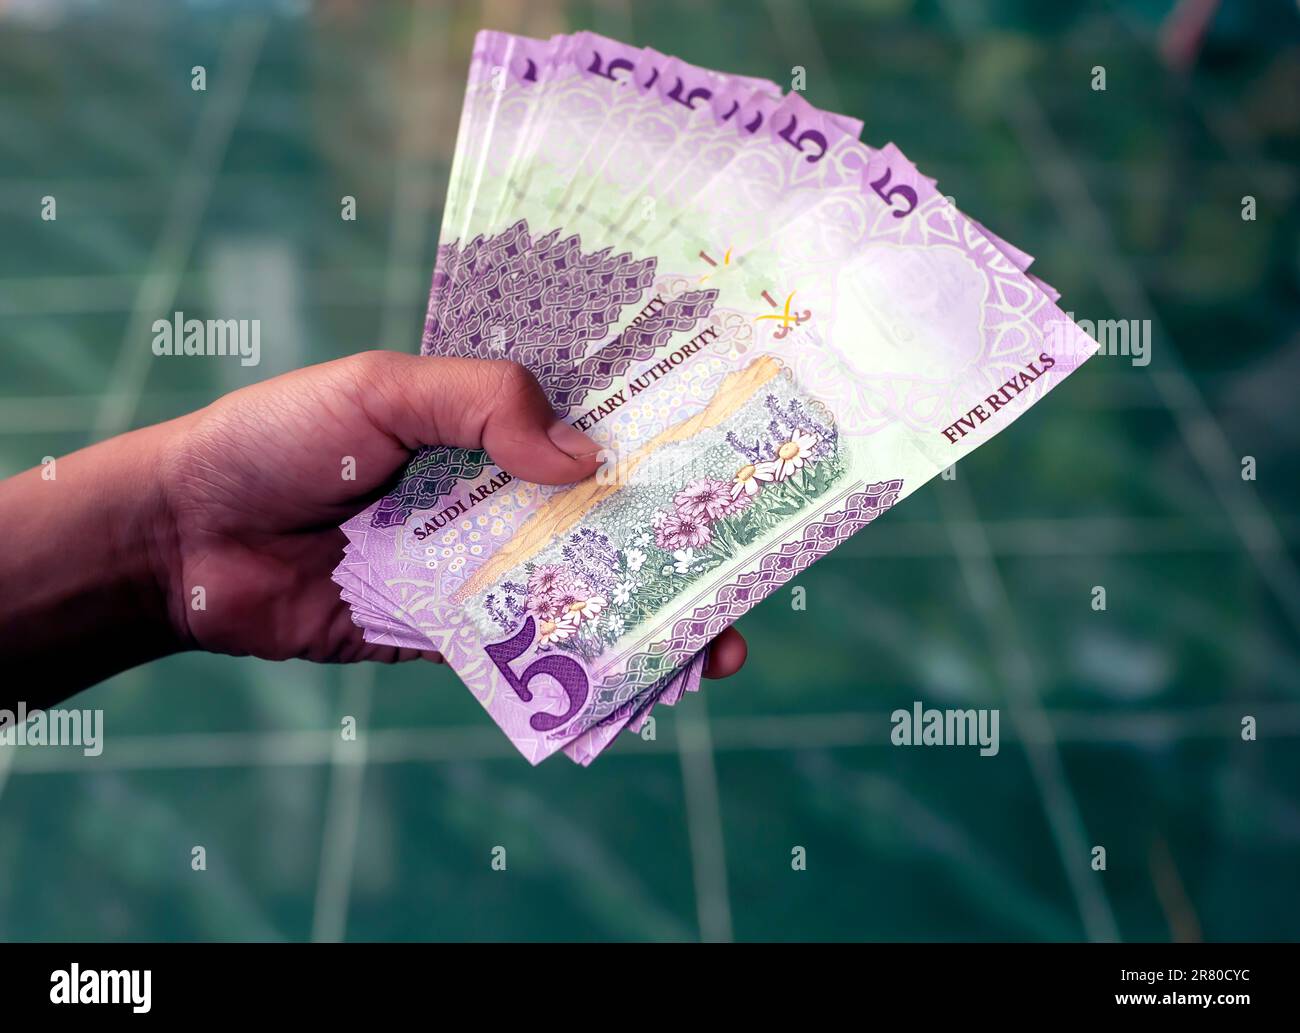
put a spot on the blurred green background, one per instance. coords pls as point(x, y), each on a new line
point(1119, 728)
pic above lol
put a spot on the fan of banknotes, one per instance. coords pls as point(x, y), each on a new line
point(775, 331)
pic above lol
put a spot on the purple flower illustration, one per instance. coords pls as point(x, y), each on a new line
point(754, 453)
point(553, 591)
point(508, 608)
point(790, 423)
point(738, 500)
point(590, 556)
point(682, 531)
point(794, 421)
point(545, 580)
point(705, 499)
point(573, 590)
point(543, 607)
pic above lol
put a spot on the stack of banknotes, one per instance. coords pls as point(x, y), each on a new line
point(775, 331)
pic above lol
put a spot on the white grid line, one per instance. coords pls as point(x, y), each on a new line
point(433, 744)
point(990, 600)
point(172, 250)
point(985, 582)
point(1205, 438)
point(704, 822)
point(792, 23)
point(176, 240)
point(343, 811)
point(409, 223)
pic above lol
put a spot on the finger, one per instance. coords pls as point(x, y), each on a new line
point(430, 655)
point(727, 654)
point(474, 403)
point(380, 654)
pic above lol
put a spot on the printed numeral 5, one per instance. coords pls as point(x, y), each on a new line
point(898, 190)
point(566, 671)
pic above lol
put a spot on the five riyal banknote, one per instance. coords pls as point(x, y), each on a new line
point(775, 331)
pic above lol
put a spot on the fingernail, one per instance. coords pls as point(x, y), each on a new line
point(571, 441)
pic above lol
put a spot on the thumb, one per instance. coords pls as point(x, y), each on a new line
point(475, 403)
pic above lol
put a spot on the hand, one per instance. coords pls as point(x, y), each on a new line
point(244, 498)
point(255, 489)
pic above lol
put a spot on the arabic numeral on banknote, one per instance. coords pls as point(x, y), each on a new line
point(807, 136)
point(568, 673)
point(899, 190)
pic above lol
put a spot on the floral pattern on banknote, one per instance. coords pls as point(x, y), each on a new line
point(641, 549)
point(690, 632)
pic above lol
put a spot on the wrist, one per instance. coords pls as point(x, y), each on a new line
point(88, 563)
point(149, 561)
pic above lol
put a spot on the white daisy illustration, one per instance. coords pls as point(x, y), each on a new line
point(585, 609)
point(555, 631)
point(791, 456)
point(748, 477)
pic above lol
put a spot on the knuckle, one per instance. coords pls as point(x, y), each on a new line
point(511, 379)
point(373, 366)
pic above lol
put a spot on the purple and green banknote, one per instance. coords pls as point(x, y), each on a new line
point(775, 332)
